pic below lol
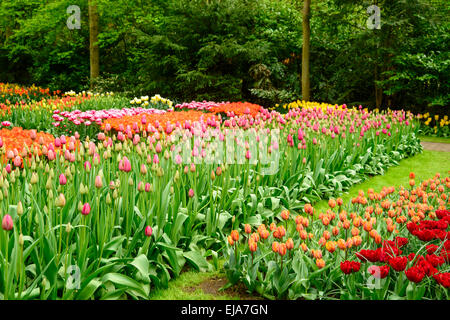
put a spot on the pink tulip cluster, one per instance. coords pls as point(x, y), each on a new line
point(200, 106)
point(78, 117)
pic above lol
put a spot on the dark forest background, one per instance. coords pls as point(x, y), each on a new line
point(235, 50)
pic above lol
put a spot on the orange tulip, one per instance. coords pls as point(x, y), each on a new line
point(330, 246)
point(285, 214)
point(320, 263)
point(290, 244)
point(275, 246)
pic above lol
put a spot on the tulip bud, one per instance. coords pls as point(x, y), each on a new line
point(98, 182)
point(61, 200)
point(7, 223)
point(68, 228)
point(34, 178)
point(86, 209)
point(21, 240)
point(48, 185)
point(141, 186)
point(148, 231)
point(80, 206)
point(62, 179)
point(19, 209)
point(108, 199)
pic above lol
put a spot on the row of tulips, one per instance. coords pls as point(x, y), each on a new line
point(11, 93)
point(434, 125)
point(394, 244)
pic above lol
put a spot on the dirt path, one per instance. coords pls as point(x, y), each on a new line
point(434, 146)
point(214, 284)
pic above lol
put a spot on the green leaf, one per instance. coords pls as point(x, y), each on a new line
point(197, 260)
point(89, 290)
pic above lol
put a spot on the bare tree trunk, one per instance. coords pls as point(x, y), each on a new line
point(378, 90)
point(305, 50)
point(94, 54)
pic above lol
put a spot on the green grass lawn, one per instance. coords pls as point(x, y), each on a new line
point(434, 139)
point(424, 165)
point(190, 284)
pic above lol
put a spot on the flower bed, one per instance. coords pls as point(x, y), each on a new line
point(387, 245)
point(129, 206)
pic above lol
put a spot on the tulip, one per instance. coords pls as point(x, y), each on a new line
point(285, 214)
point(7, 223)
point(98, 182)
point(148, 231)
point(191, 193)
point(86, 209)
point(235, 235)
point(62, 179)
point(61, 200)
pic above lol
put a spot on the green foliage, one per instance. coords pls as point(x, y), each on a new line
point(210, 50)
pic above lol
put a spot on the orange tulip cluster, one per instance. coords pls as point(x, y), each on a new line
point(237, 109)
point(141, 121)
point(373, 218)
point(8, 90)
point(18, 144)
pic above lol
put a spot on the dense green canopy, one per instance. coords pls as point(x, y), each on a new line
point(235, 49)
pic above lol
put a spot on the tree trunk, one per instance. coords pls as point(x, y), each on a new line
point(94, 54)
point(305, 50)
point(378, 90)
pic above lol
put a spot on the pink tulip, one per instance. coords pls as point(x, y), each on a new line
point(51, 155)
point(7, 223)
point(33, 134)
point(126, 164)
point(158, 147)
point(98, 182)
point(136, 139)
point(101, 136)
point(148, 231)
point(86, 209)
point(191, 193)
point(17, 161)
point(62, 179)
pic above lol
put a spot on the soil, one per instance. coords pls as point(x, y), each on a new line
point(212, 286)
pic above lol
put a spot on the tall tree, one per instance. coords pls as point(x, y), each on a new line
point(94, 53)
point(305, 50)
